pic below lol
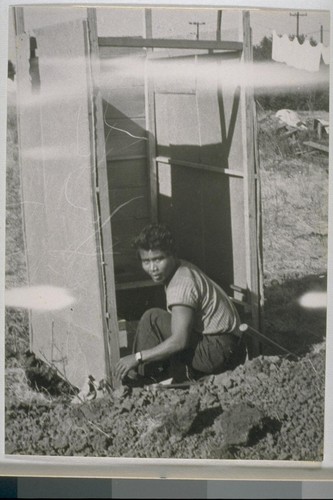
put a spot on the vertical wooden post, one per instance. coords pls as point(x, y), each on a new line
point(19, 20)
point(151, 124)
point(250, 187)
point(219, 25)
point(320, 128)
point(111, 334)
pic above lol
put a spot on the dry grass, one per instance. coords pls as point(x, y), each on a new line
point(294, 185)
point(16, 321)
point(16, 273)
point(18, 388)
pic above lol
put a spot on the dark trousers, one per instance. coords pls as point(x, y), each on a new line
point(206, 354)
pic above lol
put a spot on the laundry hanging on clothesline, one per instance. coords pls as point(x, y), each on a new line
point(299, 55)
point(326, 54)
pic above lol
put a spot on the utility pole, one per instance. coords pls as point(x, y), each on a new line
point(321, 33)
point(197, 24)
point(297, 14)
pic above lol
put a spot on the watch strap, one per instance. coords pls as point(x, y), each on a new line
point(138, 357)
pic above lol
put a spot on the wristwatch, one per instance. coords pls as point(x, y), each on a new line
point(138, 357)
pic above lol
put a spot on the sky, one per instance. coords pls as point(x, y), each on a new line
point(175, 22)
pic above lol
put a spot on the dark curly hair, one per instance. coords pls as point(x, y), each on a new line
point(155, 237)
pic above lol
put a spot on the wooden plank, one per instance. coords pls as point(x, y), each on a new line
point(162, 132)
point(240, 303)
point(122, 122)
point(182, 128)
point(148, 24)
point(118, 142)
point(97, 219)
point(187, 200)
point(127, 268)
point(29, 135)
point(174, 75)
point(260, 250)
point(128, 138)
point(219, 24)
point(200, 166)
point(128, 228)
point(136, 284)
point(58, 210)
point(129, 202)
point(216, 226)
point(237, 232)
point(160, 43)
point(126, 127)
point(19, 20)
point(250, 188)
point(129, 101)
point(127, 158)
point(128, 173)
point(150, 111)
point(237, 288)
point(112, 348)
point(107, 52)
point(315, 145)
point(212, 144)
point(184, 55)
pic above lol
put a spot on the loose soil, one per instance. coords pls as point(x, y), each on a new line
point(271, 408)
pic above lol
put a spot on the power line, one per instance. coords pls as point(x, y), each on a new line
point(255, 25)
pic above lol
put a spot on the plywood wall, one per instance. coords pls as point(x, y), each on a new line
point(58, 202)
point(201, 189)
point(123, 93)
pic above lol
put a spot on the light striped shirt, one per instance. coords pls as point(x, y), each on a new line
point(213, 309)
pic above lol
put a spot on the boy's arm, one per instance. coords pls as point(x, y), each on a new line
point(182, 318)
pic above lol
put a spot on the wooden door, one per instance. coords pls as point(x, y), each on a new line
point(204, 167)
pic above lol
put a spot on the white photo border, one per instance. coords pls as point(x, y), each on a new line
point(163, 468)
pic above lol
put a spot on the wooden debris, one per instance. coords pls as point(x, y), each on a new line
point(316, 145)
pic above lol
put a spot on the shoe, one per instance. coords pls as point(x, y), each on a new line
point(133, 379)
point(138, 381)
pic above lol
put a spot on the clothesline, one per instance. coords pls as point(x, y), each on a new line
point(299, 55)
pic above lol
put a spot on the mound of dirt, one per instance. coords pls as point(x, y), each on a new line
point(270, 408)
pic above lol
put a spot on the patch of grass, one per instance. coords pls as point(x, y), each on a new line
point(16, 334)
point(16, 272)
point(19, 390)
point(294, 205)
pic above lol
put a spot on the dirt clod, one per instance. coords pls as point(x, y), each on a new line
point(237, 423)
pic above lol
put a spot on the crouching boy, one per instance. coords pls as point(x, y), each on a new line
point(198, 333)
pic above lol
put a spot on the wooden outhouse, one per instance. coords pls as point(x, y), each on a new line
point(115, 133)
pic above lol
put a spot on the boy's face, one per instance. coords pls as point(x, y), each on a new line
point(158, 264)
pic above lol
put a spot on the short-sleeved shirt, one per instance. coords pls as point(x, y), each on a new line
point(213, 309)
